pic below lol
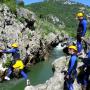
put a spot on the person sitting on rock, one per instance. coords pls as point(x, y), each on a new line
point(72, 73)
point(15, 54)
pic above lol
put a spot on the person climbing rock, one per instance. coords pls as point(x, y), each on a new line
point(81, 31)
point(13, 50)
point(71, 73)
point(15, 54)
point(19, 65)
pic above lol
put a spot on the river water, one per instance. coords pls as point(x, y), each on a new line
point(38, 74)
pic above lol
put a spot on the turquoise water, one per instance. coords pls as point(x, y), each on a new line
point(38, 74)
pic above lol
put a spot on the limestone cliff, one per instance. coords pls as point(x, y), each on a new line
point(26, 29)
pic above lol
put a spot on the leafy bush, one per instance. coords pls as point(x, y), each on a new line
point(11, 4)
point(65, 13)
point(20, 3)
point(8, 63)
point(45, 27)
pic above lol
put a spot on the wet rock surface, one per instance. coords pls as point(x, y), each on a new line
point(18, 28)
point(57, 81)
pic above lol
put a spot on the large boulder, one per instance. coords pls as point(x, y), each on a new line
point(27, 17)
point(57, 81)
point(54, 83)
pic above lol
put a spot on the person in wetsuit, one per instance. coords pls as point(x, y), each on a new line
point(71, 73)
point(81, 30)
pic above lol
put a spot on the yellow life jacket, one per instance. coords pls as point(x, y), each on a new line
point(19, 64)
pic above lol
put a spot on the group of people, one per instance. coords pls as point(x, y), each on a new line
point(16, 63)
point(75, 51)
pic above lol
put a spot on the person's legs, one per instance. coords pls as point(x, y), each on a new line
point(79, 46)
point(8, 73)
point(84, 83)
point(23, 74)
point(70, 84)
point(79, 43)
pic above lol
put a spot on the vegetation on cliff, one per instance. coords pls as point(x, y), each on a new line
point(13, 4)
point(65, 13)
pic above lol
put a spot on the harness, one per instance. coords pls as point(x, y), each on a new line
point(16, 55)
point(80, 28)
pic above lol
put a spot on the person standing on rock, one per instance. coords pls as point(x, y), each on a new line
point(86, 67)
point(71, 73)
point(15, 54)
point(81, 31)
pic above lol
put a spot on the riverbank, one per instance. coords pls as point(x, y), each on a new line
point(35, 42)
point(38, 73)
point(57, 81)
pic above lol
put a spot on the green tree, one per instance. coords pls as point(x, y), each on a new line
point(11, 4)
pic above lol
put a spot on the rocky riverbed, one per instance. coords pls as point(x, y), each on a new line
point(57, 81)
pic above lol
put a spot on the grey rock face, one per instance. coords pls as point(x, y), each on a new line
point(30, 42)
point(6, 16)
point(22, 12)
point(57, 81)
point(56, 20)
point(28, 18)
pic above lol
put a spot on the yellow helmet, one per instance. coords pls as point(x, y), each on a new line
point(73, 47)
point(14, 45)
point(80, 14)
